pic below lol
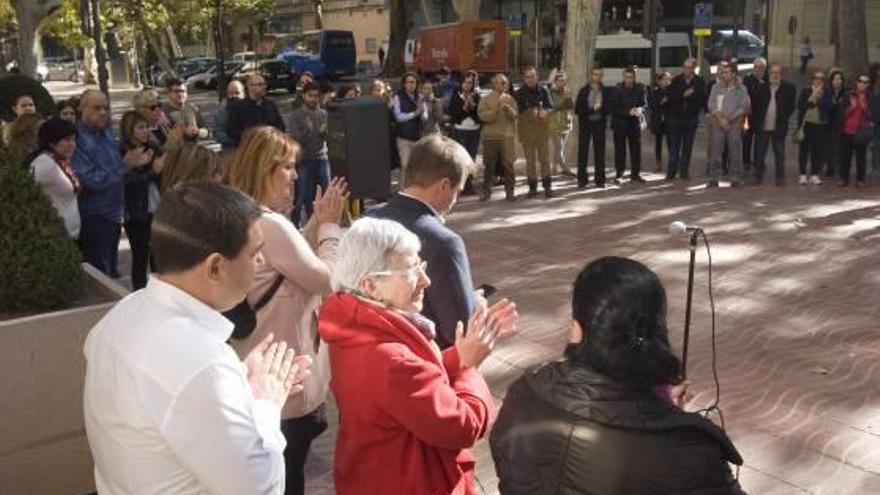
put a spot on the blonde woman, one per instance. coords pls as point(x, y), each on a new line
point(188, 162)
point(264, 167)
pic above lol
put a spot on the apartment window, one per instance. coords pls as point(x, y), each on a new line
point(371, 45)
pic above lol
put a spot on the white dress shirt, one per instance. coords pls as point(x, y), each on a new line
point(168, 409)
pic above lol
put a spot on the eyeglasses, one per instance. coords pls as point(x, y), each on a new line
point(412, 272)
point(155, 106)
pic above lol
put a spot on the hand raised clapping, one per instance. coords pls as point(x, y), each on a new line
point(485, 327)
point(328, 204)
point(274, 372)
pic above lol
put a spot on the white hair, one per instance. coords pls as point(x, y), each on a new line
point(368, 247)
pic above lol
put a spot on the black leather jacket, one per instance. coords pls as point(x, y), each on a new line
point(565, 429)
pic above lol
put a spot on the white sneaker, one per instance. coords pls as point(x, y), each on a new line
point(803, 180)
point(815, 180)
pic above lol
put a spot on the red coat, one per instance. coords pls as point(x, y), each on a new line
point(407, 412)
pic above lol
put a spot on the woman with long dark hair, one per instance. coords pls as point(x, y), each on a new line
point(607, 419)
point(409, 112)
point(141, 193)
point(836, 93)
point(463, 105)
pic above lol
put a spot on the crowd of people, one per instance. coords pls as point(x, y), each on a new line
point(253, 301)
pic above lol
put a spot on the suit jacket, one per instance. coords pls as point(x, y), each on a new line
point(785, 106)
point(247, 113)
point(584, 111)
point(626, 99)
point(683, 108)
point(450, 297)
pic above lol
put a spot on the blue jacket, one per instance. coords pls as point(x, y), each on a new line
point(450, 298)
point(99, 166)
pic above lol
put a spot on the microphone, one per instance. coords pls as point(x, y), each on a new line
point(678, 228)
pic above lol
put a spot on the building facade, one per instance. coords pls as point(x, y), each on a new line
point(817, 19)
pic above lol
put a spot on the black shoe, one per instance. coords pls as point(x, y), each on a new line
point(736, 183)
point(582, 185)
point(636, 178)
point(757, 181)
point(600, 185)
point(510, 196)
point(685, 176)
point(669, 179)
point(547, 184)
point(711, 184)
point(533, 188)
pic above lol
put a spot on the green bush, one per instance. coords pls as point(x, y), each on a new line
point(39, 263)
point(14, 85)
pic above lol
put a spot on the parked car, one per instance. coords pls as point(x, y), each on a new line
point(278, 74)
point(720, 46)
point(208, 79)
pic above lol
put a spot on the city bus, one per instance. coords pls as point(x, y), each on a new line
point(324, 53)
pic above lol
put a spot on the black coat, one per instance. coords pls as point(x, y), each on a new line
point(457, 111)
point(584, 111)
point(247, 113)
point(683, 108)
point(528, 98)
point(837, 109)
point(567, 429)
point(785, 105)
point(623, 101)
point(658, 103)
point(137, 184)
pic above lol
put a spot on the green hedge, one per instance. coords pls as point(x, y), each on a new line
point(39, 263)
point(14, 85)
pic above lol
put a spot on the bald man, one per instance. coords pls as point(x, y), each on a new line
point(253, 111)
point(101, 170)
point(234, 94)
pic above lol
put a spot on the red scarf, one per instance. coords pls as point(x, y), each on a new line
point(68, 170)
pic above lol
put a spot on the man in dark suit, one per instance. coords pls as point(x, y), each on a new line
point(687, 100)
point(591, 110)
point(627, 114)
point(771, 111)
point(435, 175)
point(752, 82)
point(253, 111)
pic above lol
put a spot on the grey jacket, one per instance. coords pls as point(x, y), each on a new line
point(306, 127)
point(733, 100)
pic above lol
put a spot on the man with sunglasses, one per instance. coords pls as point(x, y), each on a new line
point(771, 111)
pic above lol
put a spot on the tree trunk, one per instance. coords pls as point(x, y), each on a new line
point(29, 13)
point(581, 30)
point(399, 28)
point(318, 6)
point(467, 10)
point(853, 37)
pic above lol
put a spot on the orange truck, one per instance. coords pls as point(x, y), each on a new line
point(462, 46)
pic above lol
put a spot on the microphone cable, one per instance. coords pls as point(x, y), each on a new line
point(715, 404)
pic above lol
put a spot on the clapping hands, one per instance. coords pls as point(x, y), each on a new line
point(328, 204)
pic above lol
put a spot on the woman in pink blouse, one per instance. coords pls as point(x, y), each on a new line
point(264, 167)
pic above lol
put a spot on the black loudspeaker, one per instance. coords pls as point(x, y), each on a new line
point(359, 146)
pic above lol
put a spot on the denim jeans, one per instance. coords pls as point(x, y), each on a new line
point(681, 144)
point(312, 173)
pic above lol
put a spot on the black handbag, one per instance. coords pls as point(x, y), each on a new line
point(865, 132)
point(244, 317)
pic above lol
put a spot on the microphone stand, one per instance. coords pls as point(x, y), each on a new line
point(690, 294)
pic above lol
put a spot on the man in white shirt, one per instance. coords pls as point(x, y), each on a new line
point(169, 408)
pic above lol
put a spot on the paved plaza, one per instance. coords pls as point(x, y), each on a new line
point(796, 278)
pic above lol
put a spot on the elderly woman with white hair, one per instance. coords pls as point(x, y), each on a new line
point(407, 410)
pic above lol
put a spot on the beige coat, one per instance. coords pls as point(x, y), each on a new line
point(498, 122)
point(292, 313)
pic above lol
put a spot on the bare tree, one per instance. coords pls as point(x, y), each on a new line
point(399, 19)
point(467, 10)
point(581, 30)
point(318, 8)
point(29, 14)
point(853, 37)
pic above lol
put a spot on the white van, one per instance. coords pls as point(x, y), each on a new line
point(409, 51)
point(615, 52)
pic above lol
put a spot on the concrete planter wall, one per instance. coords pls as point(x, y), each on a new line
point(43, 446)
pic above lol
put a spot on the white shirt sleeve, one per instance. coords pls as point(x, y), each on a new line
point(229, 441)
point(400, 116)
